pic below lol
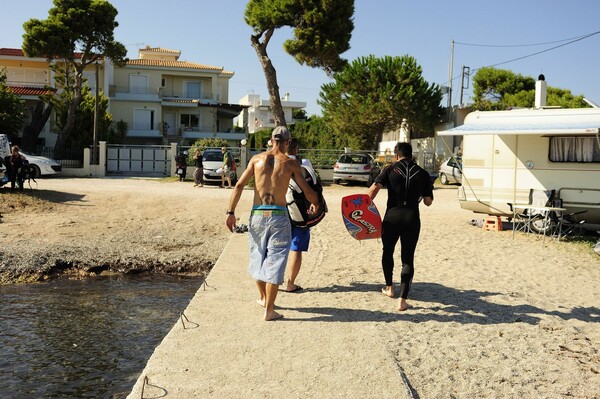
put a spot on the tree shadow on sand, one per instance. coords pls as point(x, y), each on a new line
point(446, 304)
point(57, 197)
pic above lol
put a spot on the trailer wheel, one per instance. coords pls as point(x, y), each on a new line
point(543, 226)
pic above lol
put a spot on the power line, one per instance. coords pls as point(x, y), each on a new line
point(570, 41)
point(523, 45)
point(542, 51)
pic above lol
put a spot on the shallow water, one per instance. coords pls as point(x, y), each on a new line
point(86, 338)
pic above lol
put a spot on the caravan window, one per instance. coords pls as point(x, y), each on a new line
point(574, 149)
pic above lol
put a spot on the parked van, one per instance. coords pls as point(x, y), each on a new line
point(4, 146)
point(4, 152)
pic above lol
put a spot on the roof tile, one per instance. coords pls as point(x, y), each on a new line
point(17, 52)
point(174, 64)
point(31, 91)
point(160, 50)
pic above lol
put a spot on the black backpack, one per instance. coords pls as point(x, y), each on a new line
point(298, 205)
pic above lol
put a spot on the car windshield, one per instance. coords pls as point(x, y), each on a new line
point(454, 162)
point(212, 156)
point(356, 159)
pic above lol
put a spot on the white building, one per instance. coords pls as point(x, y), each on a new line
point(160, 98)
point(259, 114)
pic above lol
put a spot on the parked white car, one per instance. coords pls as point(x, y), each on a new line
point(451, 171)
point(43, 166)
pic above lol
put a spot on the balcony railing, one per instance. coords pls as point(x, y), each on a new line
point(161, 92)
point(144, 126)
point(114, 90)
point(22, 83)
point(166, 93)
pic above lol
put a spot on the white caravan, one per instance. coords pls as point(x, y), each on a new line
point(507, 153)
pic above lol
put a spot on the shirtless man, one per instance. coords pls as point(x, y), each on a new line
point(269, 227)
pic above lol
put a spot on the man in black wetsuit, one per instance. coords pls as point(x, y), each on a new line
point(407, 183)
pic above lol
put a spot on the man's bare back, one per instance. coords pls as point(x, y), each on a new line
point(272, 173)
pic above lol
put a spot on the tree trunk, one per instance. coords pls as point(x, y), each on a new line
point(32, 131)
point(270, 76)
point(67, 130)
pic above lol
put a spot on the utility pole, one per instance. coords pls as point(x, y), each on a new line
point(95, 138)
point(466, 72)
point(450, 72)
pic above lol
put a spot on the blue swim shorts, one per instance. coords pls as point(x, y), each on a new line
point(300, 239)
point(270, 235)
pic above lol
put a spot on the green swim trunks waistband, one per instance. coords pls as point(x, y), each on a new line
point(269, 207)
point(268, 212)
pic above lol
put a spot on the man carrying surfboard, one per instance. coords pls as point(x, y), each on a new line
point(406, 183)
point(269, 226)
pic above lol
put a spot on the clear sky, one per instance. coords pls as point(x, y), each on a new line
point(214, 33)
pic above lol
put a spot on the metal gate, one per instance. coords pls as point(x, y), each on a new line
point(138, 160)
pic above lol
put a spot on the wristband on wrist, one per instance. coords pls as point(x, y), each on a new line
point(230, 212)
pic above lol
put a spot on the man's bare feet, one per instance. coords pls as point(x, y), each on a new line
point(261, 302)
point(402, 305)
point(388, 291)
point(293, 288)
point(273, 315)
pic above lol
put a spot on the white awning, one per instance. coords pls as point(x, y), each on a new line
point(541, 122)
point(550, 129)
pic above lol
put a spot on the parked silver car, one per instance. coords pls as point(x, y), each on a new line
point(356, 167)
point(212, 160)
point(451, 171)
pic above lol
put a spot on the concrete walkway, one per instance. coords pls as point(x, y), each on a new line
point(333, 342)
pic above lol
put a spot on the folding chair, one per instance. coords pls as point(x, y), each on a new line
point(520, 221)
point(533, 220)
point(569, 223)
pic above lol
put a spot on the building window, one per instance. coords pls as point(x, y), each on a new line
point(189, 122)
point(143, 119)
point(193, 89)
point(574, 149)
point(90, 77)
point(25, 77)
point(138, 84)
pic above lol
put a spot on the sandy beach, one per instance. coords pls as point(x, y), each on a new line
point(492, 316)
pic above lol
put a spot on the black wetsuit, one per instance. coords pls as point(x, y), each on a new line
point(406, 183)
